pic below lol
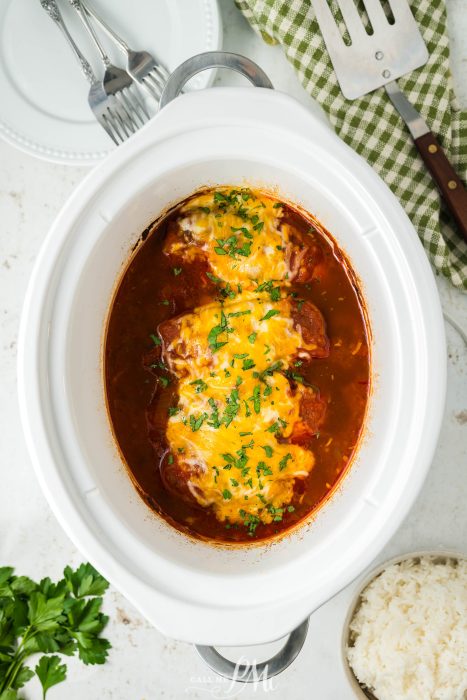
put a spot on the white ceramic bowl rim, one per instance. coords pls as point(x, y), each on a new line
point(190, 590)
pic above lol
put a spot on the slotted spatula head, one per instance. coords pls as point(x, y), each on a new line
point(371, 59)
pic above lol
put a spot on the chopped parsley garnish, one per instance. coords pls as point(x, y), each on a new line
point(239, 313)
point(231, 245)
point(170, 458)
point(274, 292)
point(251, 522)
point(232, 408)
point(263, 467)
point(173, 410)
point(200, 385)
point(276, 426)
point(270, 314)
point(245, 250)
point(196, 423)
point(226, 494)
point(295, 376)
point(257, 399)
point(164, 381)
point(213, 278)
point(176, 271)
point(242, 229)
point(215, 332)
point(248, 364)
point(269, 371)
point(268, 450)
point(155, 339)
point(214, 420)
point(275, 512)
point(284, 460)
point(159, 364)
point(252, 337)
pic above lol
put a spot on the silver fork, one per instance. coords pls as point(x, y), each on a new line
point(102, 105)
point(376, 59)
point(141, 65)
point(117, 83)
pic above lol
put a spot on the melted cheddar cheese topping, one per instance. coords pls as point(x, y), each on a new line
point(241, 236)
point(233, 357)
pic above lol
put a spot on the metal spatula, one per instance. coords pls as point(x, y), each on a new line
point(367, 61)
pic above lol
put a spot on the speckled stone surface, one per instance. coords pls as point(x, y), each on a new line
point(143, 664)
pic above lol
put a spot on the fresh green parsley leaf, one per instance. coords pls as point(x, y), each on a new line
point(252, 337)
point(49, 617)
point(155, 339)
point(50, 672)
point(176, 271)
point(268, 449)
point(86, 580)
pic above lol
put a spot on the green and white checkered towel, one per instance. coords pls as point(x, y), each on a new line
point(370, 124)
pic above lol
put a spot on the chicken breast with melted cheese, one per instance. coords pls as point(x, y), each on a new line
point(238, 437)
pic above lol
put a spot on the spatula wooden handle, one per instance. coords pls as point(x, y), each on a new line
point(446, 178)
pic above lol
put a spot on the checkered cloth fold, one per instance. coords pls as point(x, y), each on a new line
point(370, 124)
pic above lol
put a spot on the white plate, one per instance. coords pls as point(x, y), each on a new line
point(43, 106)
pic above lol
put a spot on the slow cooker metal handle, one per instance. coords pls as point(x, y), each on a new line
point(245, 673)
point(212, 59)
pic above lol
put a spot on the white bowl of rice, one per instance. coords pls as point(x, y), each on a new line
point(405, 635)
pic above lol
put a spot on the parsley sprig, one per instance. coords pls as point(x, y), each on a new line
point(49, 618)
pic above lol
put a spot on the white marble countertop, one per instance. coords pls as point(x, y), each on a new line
point(144, 665)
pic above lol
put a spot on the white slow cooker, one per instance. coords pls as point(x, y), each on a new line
point(191, 590)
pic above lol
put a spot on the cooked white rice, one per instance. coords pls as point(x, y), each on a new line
point(408, 638)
